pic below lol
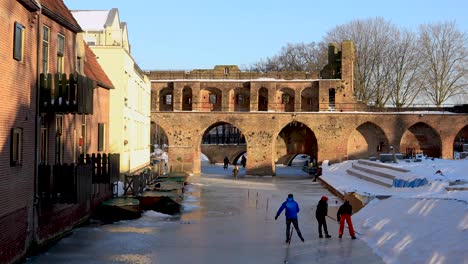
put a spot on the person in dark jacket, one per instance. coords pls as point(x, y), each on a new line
point(318, 173)
point(344, 214)
point(320, 214)
point(226, 162)
point(292, 208)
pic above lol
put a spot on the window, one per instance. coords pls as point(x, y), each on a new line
point(331, 99)
point(168, 100)
point(101, 136)
point(60, 52)
point(226, 70)
point(45, 49)
point(285, 99)
point(58, 139)
point(240, 99)
point(83, 135)
point(18, 42)
point(212, 98)
point(16, 147)
point(44, 140)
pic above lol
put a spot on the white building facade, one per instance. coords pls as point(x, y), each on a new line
point(130, 113)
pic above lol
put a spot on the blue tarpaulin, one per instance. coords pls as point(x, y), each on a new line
point(399, 183)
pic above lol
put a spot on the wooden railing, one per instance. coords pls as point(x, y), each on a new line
point(136, 183)
point(63, 183)
point(62, 94)
point(73, 183)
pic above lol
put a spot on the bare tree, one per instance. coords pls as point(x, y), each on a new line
point(372, 38)
point(404, 60)
point(295, 57)
point(444, 52)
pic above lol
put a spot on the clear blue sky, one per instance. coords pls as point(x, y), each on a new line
point(192, 34)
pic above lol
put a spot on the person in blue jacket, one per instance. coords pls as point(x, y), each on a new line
point(292, 208)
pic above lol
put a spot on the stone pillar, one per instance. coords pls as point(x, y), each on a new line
point(260, 155)
point(447, 140)
point(253, 97)
point(226, 100)
point(196, 96)
point(297, 100)
point(177, 95)
point(272, 100)
point(155, 100)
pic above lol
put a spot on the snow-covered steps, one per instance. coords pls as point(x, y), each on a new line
point(385, 175)
point(370, 177)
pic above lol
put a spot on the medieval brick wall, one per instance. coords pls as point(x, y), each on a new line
point(337, 135)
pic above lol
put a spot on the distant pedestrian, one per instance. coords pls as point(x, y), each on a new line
point(226, 162)
point(318, 173)
point(344, 214)
point(235, 171)
point(321, 214)
point(292, 208)
point(243, 161)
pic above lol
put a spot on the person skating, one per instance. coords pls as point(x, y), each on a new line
point(320, 213)
point(226, 162)
point(344, 214)
point(318, 173)
point(292, 208)
point(235, 171)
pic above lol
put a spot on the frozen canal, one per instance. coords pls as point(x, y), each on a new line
point(224, 221)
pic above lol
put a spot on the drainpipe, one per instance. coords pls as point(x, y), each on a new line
point(37, 128)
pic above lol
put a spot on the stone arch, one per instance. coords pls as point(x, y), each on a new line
point(461, 139)
point(309, 100)
point(367, 140)
point(158, 137)
point(285, 99)
point(263, 99)
point(236, 157)
point(222, 139)
point(187, 98)
point(211, 99)
point(294, 138)
point(421, 137)
point(166, 99)
point(241, 99)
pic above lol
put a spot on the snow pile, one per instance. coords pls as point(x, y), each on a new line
point(428, 224)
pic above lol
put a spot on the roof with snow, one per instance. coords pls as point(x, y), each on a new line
point(92, 20)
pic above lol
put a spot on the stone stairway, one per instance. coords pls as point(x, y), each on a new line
point(375, 172)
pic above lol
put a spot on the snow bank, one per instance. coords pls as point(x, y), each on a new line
point(415, 230)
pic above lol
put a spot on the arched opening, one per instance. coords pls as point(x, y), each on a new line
point(367, 140)
point(421, 138)
point(460, 144)
point(211, 99)
point(242, 99)
point(166, 100)
point(222, 140)
point(295, 139)
point(285, 100)
point(331, 99)
point(159, 138)
point(187, 99)
point(263, 99)
point(309, 100)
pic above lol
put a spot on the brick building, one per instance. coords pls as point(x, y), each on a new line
point(54, 98)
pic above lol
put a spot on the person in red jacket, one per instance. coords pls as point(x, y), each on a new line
point(344, 214)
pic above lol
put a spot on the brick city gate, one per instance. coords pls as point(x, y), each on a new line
point(339, 136)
